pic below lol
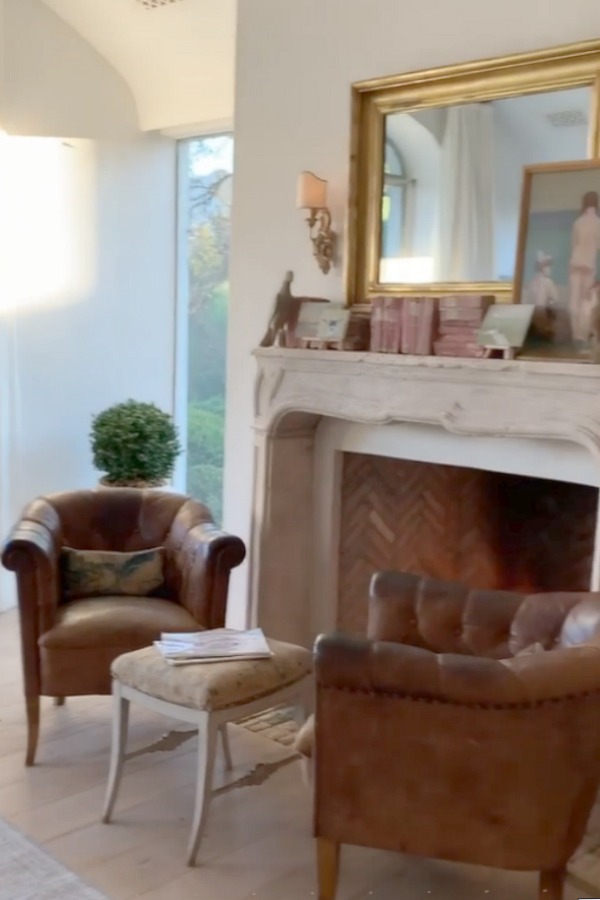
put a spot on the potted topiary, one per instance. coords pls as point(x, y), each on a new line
point(135, 444)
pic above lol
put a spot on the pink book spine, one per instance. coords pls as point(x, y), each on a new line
point(392, 324)
point(425, 331)
point(470, 316)
point(465, 349)
point(458, 328)
point(462, 334)
point(417, 325)
point(464, 342)
point(466, 301)
point(453, 339)
point(376, 343)
point(409, 324)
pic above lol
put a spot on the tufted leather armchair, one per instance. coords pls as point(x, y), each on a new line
point(69, 644)
point(465, 727)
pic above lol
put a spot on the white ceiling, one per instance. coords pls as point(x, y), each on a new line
point(178, 60)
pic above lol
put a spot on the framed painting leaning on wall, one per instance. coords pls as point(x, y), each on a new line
point(558, 264)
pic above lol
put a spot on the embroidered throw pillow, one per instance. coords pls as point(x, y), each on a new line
point(96, 573)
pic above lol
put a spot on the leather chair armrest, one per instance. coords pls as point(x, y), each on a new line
point(32, 552)
point(28, 541)
point(204, 560)
point(361, 665)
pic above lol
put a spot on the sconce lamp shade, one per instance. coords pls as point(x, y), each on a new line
point(312, 191)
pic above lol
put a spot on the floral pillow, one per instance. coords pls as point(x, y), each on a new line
point(96, 573)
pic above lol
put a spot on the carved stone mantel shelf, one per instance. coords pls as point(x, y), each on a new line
point(466, 396)
point(293, 550)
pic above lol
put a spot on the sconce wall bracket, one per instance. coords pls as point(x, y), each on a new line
point(323, 238)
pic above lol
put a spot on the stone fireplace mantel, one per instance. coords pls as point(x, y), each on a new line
point(294, 519)
point(466, 396)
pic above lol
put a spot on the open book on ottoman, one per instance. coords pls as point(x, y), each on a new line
point(216, 645)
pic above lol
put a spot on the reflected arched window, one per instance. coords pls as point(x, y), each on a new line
point(396, 183)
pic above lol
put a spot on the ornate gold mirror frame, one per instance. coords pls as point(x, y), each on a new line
point(575, 65)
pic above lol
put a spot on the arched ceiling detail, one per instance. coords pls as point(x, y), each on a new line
point(178, 60)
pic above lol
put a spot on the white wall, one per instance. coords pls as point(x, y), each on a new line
point(95, 316)
point(421, 153)
point(87, 257)
point(522, 135)
point(54, 83)
point(295, 66)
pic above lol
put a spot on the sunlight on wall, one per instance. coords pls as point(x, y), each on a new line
point(39, 217)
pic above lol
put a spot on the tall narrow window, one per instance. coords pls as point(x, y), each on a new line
point(206, 170)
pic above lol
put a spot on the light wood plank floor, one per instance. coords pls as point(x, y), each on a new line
point(257, 842)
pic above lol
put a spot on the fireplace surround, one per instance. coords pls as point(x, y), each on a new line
point(326, 421)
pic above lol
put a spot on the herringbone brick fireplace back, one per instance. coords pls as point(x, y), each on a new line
point(486, 529)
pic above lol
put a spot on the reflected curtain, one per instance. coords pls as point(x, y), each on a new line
point(465, 240)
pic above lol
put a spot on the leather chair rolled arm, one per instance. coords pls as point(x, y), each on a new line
point(203, 562)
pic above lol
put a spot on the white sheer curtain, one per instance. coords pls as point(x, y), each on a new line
point(9, 383)
point(9, 440)
point(465, 240)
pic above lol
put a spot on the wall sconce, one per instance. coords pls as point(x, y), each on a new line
point(312, 195)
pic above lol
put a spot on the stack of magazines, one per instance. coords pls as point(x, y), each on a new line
point(216, 645)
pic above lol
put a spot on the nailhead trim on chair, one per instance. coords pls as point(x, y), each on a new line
point(395, 695)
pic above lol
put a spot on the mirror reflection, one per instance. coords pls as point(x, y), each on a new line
point(452, 182)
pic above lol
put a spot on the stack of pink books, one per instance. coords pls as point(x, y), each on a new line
point(460, 320)
point(418, 325)
point(386, 325)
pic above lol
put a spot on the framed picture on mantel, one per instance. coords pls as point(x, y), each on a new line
point(558, 266)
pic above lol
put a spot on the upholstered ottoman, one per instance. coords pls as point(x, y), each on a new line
point(208, 695)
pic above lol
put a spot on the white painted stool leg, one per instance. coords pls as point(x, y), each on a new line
point(226, 747)
point(120, 724)
point(207, 745)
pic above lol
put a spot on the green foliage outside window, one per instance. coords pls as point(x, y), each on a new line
point(208, 263)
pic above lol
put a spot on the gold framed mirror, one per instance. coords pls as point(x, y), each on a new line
point(436, 167)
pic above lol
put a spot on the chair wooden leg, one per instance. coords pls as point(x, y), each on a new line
point(33, 728)
point(59, 701)
point(226, 747)
point(207, 745)
point(552, 884)
point(328, 862)
point(120, 725)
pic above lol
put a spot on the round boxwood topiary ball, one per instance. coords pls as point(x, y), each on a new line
point(135, 444)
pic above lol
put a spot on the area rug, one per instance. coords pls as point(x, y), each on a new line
point(28, 873)
point(275, 724)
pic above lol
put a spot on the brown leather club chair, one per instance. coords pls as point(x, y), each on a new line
point(449, 733)
point(68, 643)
